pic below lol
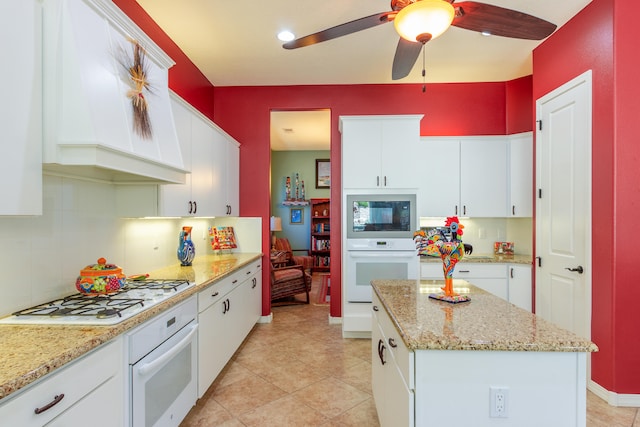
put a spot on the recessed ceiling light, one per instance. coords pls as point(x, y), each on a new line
point(485, 33)
point(286, 36)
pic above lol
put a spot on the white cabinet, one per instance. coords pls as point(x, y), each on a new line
point(520, 285)
point(392, 371)
point(376, 151)
point(464, 176)
point(212, 157)
point(73, 393)
point(21, 110)
point(212, 186)
point(490, 277)
point(521, 175)
point(228, 309)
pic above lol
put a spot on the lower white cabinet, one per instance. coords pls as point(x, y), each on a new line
point(391, 372)
point(228, 310)
point(511, 282)
point(73, 394)
point(520, 285)
point(490, 277)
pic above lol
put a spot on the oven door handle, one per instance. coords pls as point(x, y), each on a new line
point(383, 254)
point(152, 366)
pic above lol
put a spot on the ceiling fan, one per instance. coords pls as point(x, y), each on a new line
point(418, 21)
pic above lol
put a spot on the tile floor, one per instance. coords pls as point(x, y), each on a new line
point(299, 371)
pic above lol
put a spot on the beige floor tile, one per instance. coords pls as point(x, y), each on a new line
point(331, 397)
point(293, 377)
point(207, 412)
point(601, 414)
point(246, 394)
point(288, 411)
point(361, 415)
point(358, 375)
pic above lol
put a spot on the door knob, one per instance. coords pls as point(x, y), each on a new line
point(578, 269)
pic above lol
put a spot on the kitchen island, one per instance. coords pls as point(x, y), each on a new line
point(483, 363)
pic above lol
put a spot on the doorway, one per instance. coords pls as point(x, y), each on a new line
point(300, 146)
point(563, 208)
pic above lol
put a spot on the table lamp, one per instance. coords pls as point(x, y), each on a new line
point(275, 225)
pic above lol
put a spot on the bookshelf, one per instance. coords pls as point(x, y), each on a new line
point(320, 234)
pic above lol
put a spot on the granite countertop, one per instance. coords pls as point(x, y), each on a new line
point(487, 259)
point(28, 352)
point(484, 323)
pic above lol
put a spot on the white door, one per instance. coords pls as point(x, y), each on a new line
point(563, 208)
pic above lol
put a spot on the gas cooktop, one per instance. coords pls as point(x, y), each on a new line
point(80, 309)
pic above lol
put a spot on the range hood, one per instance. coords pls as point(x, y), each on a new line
point(88, 114)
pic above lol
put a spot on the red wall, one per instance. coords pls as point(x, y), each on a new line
point(603, 38)
point(449, 109)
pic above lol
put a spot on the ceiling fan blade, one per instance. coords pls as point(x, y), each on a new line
point(406, 54)
point(499, 21)
point(341, 30)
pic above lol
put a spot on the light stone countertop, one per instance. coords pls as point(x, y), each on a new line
point(29, 352)
point(484, 323)
point(486, 259)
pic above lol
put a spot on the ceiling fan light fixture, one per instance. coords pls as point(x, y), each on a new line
point(286, 36)
point(424, 18)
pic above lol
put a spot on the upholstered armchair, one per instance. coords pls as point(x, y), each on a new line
point(287, 281)
point(306, 261)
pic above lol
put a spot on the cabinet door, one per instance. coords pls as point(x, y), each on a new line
point(520, 286)
point(400, 137)
point(174, 199)
point(204, 169)
point(213, 348)
point(361, 147)
point(21, 115)
point(483, 177)
point(438, 171)
point(233, 178)
point(521, 176)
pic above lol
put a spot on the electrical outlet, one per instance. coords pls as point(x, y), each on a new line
point(498, 402)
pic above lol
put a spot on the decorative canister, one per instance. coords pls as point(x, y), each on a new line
point(100, 278)
point(186, 249)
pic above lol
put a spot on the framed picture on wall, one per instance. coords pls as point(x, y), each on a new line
point(297, 216)
point(323, 173)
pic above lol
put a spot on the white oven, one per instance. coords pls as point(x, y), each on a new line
point(163, 367)
point(372, 259)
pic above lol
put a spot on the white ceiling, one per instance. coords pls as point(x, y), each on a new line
point(234, 43)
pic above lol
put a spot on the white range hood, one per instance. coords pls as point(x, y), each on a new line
point(88, 117)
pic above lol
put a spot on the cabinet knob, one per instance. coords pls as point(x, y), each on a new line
point(375, 308)
point(392, 343)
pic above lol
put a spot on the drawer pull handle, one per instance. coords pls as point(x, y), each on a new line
point(392, 343)
point(375, 308)
point(254, 283)
point(215, 295)
point(381, 351)
point(463, 271)
point(50, 405)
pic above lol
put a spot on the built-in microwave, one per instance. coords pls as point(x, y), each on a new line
point(379, 216)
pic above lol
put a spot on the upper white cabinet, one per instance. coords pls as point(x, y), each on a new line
point(212, 186)
point(212, 157)
point(521, 175)
point(376, 151)
point(465, 176)
point(20, 110)
point(88, 117)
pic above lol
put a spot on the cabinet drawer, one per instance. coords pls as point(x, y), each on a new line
point(214, 293)
point(431, 270)
point(393, 341)
point(75, 381)
point(469, 270)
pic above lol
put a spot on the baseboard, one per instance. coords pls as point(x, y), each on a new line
point(356, 334)
point(266, 319)
point(335, 320)
point(613, 398)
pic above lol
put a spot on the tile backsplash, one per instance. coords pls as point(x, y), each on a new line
point(42, 255)
point(482, 233)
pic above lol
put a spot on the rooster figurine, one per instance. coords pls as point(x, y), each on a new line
point(445, 242)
